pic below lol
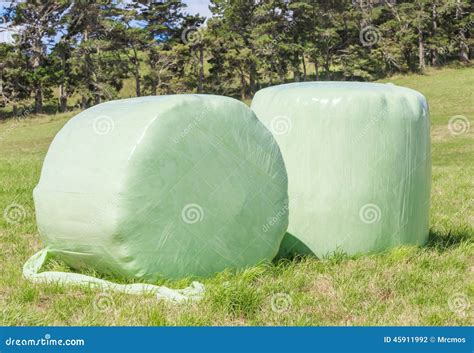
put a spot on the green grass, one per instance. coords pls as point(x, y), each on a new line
point(404, 286)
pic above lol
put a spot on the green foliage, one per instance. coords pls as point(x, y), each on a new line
point(82, 53)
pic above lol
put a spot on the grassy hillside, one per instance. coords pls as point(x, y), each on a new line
point(406, 286)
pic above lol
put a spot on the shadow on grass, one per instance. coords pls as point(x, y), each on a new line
point(442, 241)
point(24, 111)
point(293, 251)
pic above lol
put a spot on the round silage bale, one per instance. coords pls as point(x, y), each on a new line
point(358, 163)
point(169, 186)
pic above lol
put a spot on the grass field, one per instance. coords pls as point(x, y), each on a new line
point(431, 285)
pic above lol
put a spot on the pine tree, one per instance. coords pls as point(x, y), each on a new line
point(38, 22)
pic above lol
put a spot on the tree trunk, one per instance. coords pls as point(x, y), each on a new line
point(434, 57)
point(1, 83)
point(463, 48)
point(63, 104)
point(303, 61)
point(243, 85)
point(394, 11)
point(421, 50)
point(153, 78)
point(434, 23)
point(316, 69)
point(434, 17)
point(296, 69)
point(201, 69)
point(252, 76)
point(38, 99)
point(326, 67)
point(138, 89)
point(281, 73)
point(97, 98)
point(252, 67)
point(458, 9)
point(136, 73)
point(62, 99)
point(38, 89)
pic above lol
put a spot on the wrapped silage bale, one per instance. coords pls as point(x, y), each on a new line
point(163, 187)
point(358, 163)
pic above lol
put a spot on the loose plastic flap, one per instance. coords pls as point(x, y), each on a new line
point(31, 271)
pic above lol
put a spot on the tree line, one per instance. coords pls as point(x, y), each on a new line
point(81, 52)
